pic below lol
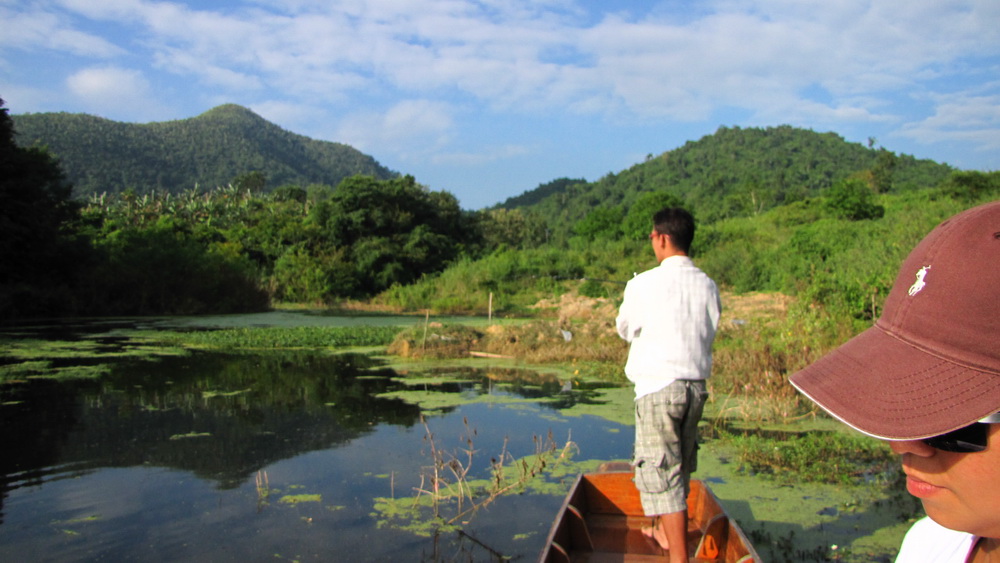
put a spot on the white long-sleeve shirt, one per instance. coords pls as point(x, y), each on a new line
point(669, 316)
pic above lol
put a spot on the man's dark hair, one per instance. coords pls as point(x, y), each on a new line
point(678, 224)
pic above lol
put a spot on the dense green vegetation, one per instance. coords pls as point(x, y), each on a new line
point(807, 249)
point(99, 155)
point(837, 220)
point(283, 338)
point(290, 245)
point(37, 217)
point(735, 172)
point(830, 457)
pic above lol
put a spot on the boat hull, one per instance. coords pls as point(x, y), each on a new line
point(602, 519)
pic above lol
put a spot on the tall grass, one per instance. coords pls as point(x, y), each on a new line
point(754, 356)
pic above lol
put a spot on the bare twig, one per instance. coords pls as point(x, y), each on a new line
point(448, 474)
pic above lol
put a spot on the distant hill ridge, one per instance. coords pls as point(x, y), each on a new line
point(101, 155)
point(736, 171)
point(732, 172)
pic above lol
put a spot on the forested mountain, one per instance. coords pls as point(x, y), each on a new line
point(736, 172)
point(531, 197)
point(99, 155)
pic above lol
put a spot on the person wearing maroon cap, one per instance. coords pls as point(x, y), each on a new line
point(669, 316)
point(926, 377)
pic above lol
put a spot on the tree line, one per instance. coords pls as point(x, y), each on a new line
point(241, 247)
point(233, 248)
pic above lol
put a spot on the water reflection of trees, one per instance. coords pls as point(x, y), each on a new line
point(36, 423)
point(222, 417)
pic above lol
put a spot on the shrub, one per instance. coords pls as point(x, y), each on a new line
point(853, 199)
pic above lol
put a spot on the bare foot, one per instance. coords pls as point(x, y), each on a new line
point(656, 535)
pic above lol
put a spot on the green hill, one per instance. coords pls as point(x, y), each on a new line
point(99, 155)
point(736, 172)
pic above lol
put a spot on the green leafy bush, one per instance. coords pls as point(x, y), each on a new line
point(853, 199)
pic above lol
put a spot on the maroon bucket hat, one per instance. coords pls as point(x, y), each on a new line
point(931, 363)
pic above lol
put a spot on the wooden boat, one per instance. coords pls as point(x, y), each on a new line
point(602, 519)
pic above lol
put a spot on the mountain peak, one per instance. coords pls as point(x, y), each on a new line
point(207, 150)
point(230, 111)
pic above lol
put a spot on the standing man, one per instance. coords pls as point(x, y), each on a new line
point(669, 317)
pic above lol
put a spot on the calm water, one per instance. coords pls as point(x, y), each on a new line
point(159, 461)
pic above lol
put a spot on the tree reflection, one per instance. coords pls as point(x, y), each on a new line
point(221, 417)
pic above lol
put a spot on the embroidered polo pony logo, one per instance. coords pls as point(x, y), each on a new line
point(920, 283)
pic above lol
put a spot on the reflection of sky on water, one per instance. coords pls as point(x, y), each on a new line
point(311, 423)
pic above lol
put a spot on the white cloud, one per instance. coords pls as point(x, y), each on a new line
point(780, 61)
point(184, 62)
point(114, 92)
point(32, 30)
point(412, 129)
point(734, 52)
point(963, 118)
point(105, 9)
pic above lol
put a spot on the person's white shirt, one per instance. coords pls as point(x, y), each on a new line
point(929, 542)
point(669, 316)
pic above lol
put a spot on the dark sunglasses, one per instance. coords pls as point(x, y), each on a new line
point(970, 439)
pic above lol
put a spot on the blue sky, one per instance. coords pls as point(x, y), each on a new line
point(489, 98)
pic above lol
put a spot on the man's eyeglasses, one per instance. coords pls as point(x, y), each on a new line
point(970, 439)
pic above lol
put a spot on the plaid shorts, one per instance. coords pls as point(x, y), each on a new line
point(666, 445)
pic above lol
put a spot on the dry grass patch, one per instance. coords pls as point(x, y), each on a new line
point(763, 338)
